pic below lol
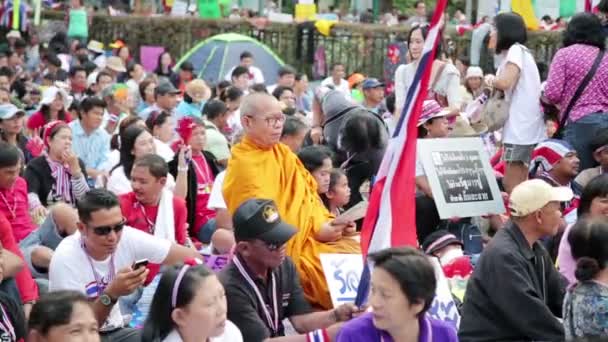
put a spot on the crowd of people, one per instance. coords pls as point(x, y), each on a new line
point(119, 185)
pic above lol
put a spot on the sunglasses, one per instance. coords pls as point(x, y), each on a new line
point(105, 230)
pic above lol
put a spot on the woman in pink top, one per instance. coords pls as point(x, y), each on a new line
point(594, 203)
point(583, 41)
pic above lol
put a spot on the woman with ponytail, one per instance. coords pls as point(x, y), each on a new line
point(586, 302)
point(189, 305)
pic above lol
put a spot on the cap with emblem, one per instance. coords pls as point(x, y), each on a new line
point(259, 219)
point(8, 111)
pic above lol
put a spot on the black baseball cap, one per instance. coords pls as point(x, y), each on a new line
point(166, 88)
point(259, 219)
point(186, 66)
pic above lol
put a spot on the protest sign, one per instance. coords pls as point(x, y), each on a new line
point(343, 273)
point(460, 176)
point(215, 262)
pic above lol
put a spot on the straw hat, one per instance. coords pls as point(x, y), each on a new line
point(198, 86)
point(115, 63)
point(463, 128)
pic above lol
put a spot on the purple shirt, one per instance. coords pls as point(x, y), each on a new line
point(362, 329)
point(568, 68)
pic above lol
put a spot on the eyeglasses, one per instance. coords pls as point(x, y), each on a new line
point(105, 230)
point(272, 121)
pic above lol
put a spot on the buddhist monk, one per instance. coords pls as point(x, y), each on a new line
point(262, 167)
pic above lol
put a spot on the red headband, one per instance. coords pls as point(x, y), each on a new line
point(50, 128)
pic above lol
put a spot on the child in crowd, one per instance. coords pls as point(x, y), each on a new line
point(317, 160)
point(338, 193)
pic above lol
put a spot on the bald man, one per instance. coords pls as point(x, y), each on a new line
point(262, 167)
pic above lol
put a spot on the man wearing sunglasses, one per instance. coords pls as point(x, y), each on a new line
point(97, 260)
point(262, 285)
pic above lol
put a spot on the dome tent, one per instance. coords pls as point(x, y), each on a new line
point(215, 56)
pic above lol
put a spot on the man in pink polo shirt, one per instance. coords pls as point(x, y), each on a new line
point(13, 192)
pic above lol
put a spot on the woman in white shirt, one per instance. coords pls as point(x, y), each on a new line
point(189, 305)
point(135, 143)
point(444, 86)
point(519, 78)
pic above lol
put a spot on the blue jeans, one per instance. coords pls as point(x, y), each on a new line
point(581, 133)
point(206, 231)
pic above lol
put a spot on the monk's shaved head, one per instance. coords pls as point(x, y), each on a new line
point(257, 103)
point(262, 119)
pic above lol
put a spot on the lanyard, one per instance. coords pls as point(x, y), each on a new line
point(273, 325)
point(6, 325)
point(199, 171)
point(12, 210)
point(98, 278)
point(151, 225)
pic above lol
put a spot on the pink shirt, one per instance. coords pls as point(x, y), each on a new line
point(14, 205)
point(568, 68)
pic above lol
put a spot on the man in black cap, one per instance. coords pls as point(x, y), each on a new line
point(262, 285)
point(185, 75)
point(166, 100)
point(373, 95)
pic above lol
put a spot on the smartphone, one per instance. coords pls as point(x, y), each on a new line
point(139, 263)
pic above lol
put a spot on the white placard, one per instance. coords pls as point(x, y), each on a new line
point(343, 273)
point(355, 213)
point(179, 8)
point(460, 176)
point(280, 17)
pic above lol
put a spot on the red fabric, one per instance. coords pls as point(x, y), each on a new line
point(25, 283)
point(37, 120)
point(134, 217)
point(21, 222)
point(204, 180)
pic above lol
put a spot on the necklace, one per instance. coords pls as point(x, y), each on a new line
point(150, 223)
point(13, 209)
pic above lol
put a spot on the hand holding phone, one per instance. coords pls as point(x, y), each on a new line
point(139, 263)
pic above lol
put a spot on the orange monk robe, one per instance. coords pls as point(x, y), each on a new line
point(278, 174)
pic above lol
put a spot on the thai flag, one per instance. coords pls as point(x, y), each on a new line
point(391, 216)
point(591, 5)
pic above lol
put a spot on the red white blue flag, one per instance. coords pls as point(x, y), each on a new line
point(391, 216)
point(591, 5)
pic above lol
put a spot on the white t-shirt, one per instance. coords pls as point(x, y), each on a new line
point(163, 150)
point(342, 87)
point(231, 334)
point(119, 184)
point(525, 125)
point(258, 77)
point(216, 198)
point(70, 268)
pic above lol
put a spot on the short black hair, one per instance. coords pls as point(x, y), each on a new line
point(259, 88)
point(412, 270)
point(313, 156)
point(76, 69)
point(54, 309)
point(187, 66)
point(53, 60)
point(362, 131)
point(231, 94)
point(279, 90)
point(9, 155)
point(597, 187)
point(585, 28)
point(390, 102)
point(600, 140)
point(300, 76)
point(131, 67)
point(91, 102)
point(510, 29)
point(95, 200)
point(238, 71)
point(214, 109)
point(155, 164)
point(102, 74)
point(286, 70)
point(333, 66)
point(418, 3)
point(246, 54)
point(6, 71)
point(292, 126)
point(20, 43)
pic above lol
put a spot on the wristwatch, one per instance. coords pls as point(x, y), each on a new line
point(106, 300)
